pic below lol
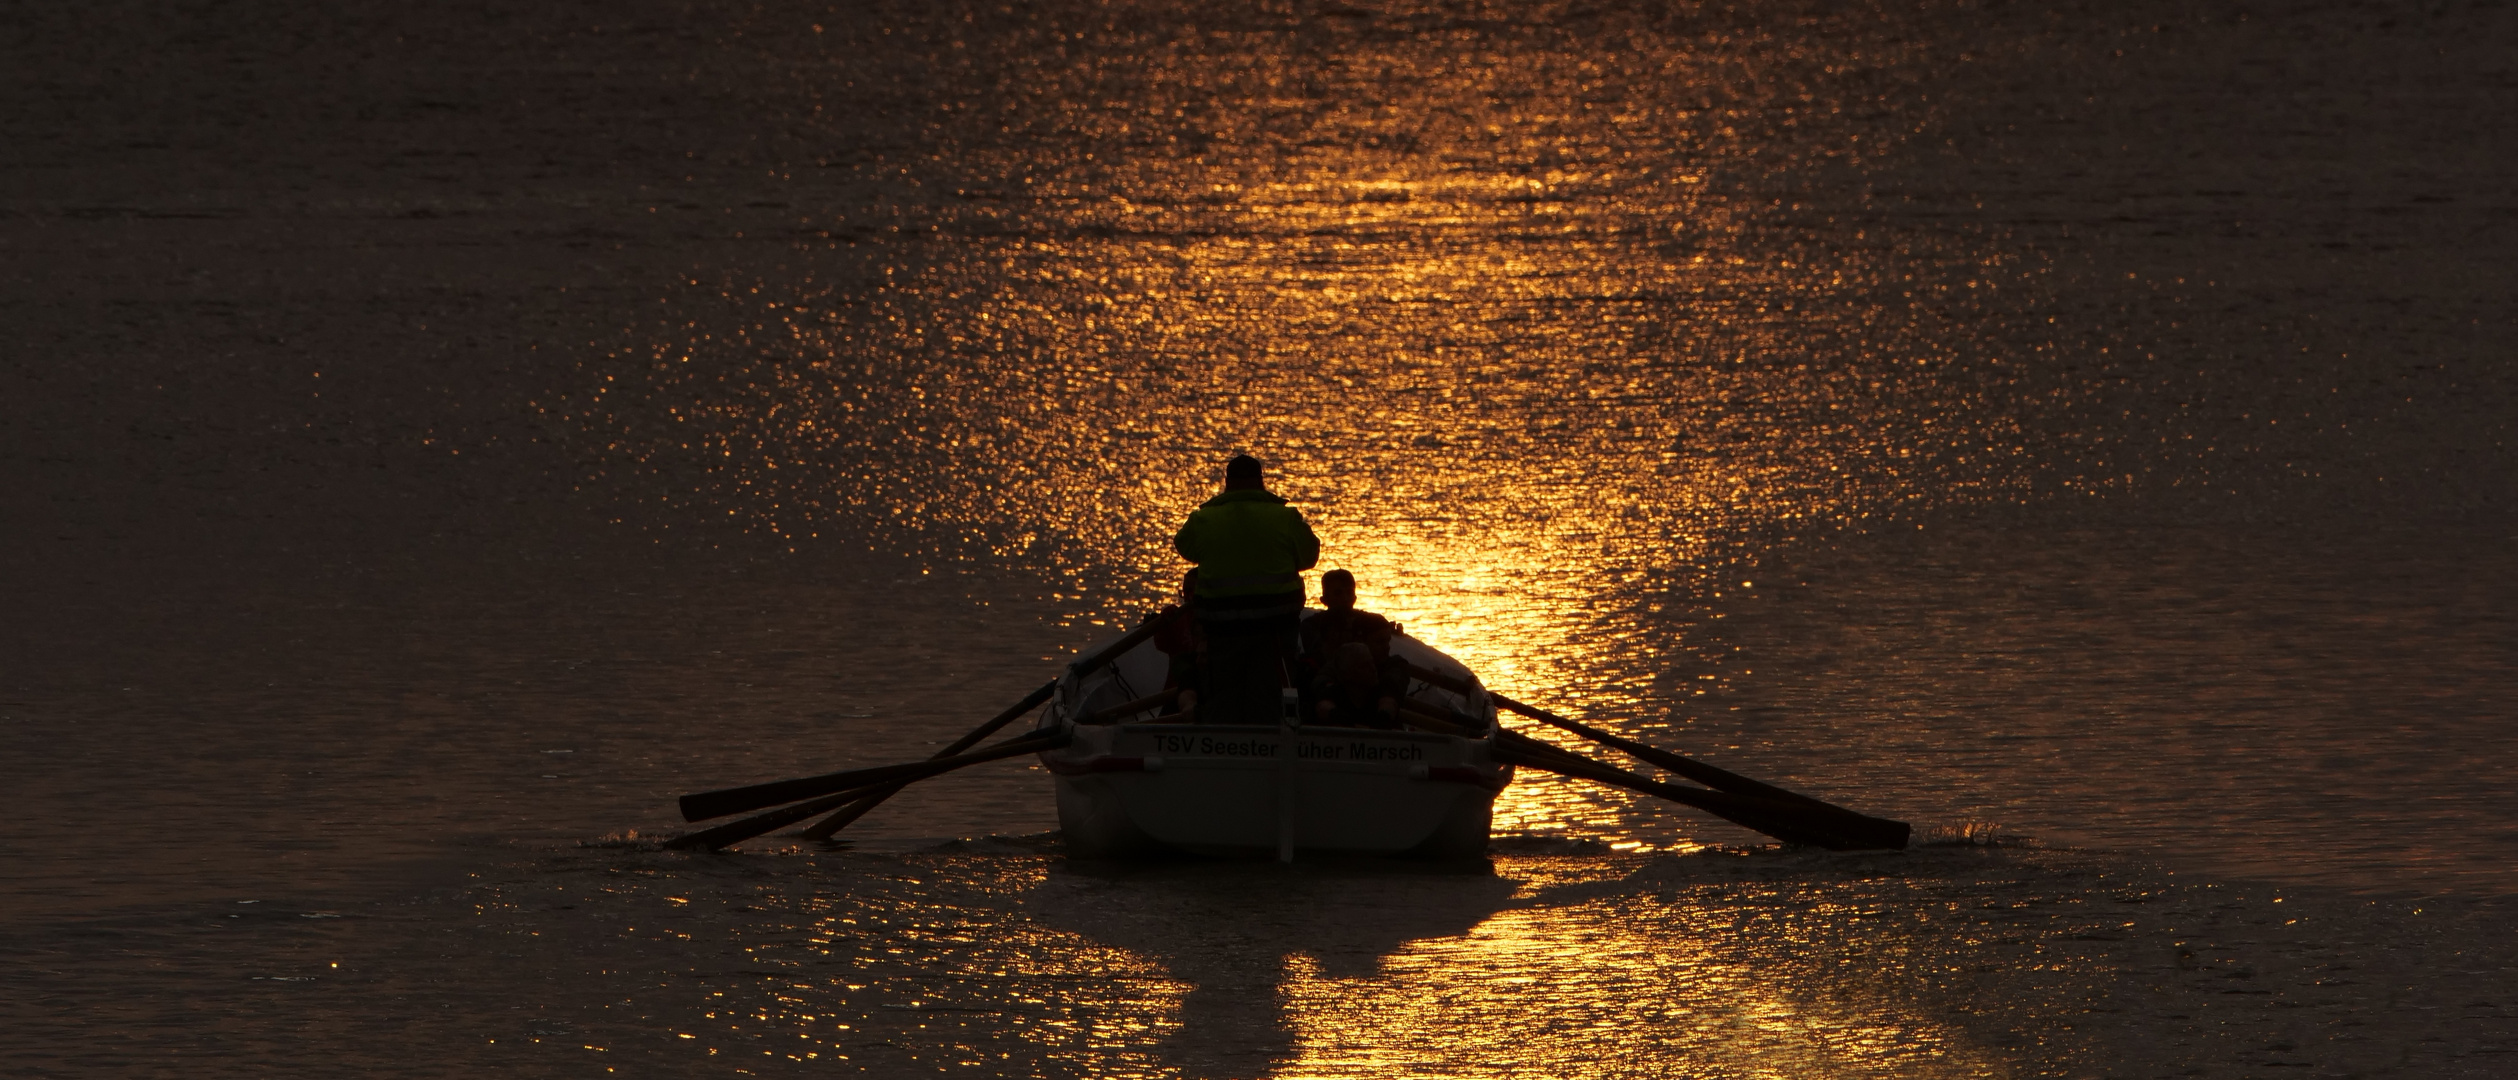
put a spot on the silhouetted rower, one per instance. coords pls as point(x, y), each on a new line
point(1324, 631)
point(1251, 549)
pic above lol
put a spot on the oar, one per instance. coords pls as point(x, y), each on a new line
point(858, 805)
point(709, 804)
point(1708, 775)
point(1083, 666)
point(1791, 822)
point(1442, 721)
point(1799, 821)
point(736, 832)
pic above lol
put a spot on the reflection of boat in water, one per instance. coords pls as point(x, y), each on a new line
point(1130, 782)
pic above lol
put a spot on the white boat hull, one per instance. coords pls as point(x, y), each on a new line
point(1146, 787)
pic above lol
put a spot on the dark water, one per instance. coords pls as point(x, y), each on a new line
point(435, 439)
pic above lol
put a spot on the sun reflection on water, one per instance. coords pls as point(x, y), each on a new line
point(1568, 967)
point(1535, 344)
point(1587, 992)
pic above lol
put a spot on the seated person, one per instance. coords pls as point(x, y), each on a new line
point(1324, 631)
point(1353, 690)
point(1180, 640)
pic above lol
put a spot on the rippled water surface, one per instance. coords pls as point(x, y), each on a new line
point(440, 439)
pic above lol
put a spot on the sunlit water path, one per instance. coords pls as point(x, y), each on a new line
point(1571, 353)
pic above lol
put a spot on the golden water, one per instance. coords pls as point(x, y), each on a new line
point(2083, 434)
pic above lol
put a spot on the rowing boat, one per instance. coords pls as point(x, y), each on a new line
point(1132, 783)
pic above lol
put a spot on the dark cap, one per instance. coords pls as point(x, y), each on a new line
point(1242, 468)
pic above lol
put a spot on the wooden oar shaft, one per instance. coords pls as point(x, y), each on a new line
point(1447, 722)
point(1797, 820)
point(1717, 778)
point(1838, 830)
point(1711, 776)
point(1515, 740)
point(709, 804)
point(861, 790)
point(1712, 802)
point(846, 815)
point(858, 808)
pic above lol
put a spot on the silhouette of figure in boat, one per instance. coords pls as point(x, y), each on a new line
point(1180, 640)
point(1324, 631)
point(1354, 682)
point(1251, 550)
point(1352, 690)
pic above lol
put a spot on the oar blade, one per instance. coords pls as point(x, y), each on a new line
point(701, 806)
point(736, 832)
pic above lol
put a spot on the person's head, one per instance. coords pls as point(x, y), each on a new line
point(1337, 590)
point(1242, 472)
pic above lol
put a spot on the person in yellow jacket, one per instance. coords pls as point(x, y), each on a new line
point(1251, 550)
